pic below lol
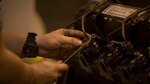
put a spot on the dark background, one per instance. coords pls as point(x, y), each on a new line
point(58, 13)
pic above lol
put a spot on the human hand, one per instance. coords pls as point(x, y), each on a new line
point(59, 42)
point(46, 71)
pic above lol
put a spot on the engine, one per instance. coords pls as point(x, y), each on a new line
point(119, 45)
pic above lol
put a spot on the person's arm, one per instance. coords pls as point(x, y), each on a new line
point(14, 42)
point(60, 42)
point(14, 71)
point(51, 45)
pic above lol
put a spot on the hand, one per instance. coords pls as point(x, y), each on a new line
point(46, 71)
point(59, 42)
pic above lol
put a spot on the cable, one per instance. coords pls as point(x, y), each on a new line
point(83, 28)
point(75, 52)
point(123, 32)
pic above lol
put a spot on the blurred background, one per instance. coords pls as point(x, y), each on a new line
point(58, 13)
point(43, 15)
point(38, 15)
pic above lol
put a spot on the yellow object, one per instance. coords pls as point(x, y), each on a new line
point(33, 60)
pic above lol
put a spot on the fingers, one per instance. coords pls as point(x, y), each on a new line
point(62, 67)
point(59, 65)
point(72, 33)
point(73, 42)
point(47, 70)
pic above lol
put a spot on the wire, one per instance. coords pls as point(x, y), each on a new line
point(88, 38)
point(123, 31)
point(69, 57)
point(75, 52)
point(83, 24)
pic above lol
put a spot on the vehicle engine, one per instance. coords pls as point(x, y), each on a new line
point(118, 49)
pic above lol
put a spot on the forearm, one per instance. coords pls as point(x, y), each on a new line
point(14, 42)
point(14, 71)
point(12, 68)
